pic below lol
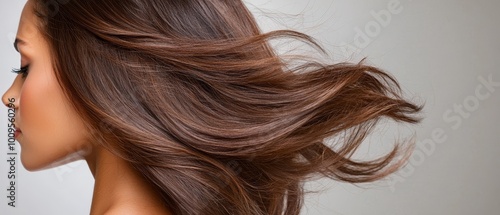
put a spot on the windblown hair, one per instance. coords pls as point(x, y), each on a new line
point(193, 95)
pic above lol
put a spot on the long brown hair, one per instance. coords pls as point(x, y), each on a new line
point(192, 94)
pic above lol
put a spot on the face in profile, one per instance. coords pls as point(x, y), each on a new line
point(50, 129)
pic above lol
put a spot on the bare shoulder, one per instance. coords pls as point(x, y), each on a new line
point(136, 210)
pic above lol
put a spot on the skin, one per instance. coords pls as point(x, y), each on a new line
point(52, 133)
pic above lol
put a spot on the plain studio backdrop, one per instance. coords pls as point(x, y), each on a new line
point(444, 53)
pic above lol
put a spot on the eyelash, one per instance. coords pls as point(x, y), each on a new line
point(23, 71)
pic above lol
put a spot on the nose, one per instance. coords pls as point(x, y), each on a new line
point(11, 97)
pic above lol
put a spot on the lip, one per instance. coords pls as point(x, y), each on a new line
point(17, 132)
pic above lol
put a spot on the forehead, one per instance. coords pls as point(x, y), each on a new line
point(27, 28)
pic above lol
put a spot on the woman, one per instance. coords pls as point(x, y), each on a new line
point(182, 107)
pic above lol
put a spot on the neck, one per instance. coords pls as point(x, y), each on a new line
point(118, 186)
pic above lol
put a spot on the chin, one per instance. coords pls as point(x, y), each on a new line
point(33, 165)
point(30, 166)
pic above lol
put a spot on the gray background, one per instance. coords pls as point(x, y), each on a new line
point(440, 51)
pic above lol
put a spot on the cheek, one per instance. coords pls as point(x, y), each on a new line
point(36, 109)
point(51, 129)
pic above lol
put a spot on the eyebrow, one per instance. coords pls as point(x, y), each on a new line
point(16, 42)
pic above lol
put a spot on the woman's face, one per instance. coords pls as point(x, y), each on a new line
point(51, 131)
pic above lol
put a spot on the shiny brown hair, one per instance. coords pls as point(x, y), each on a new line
point(193, 95)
